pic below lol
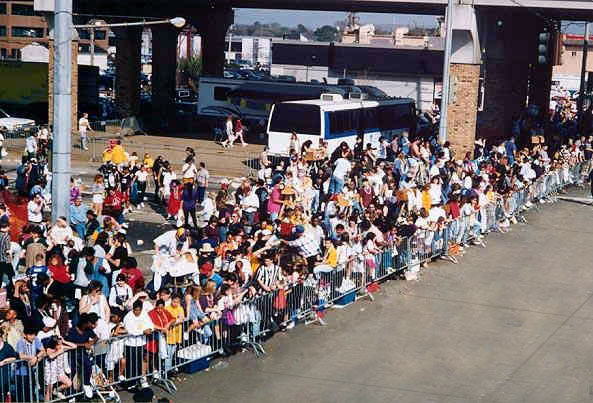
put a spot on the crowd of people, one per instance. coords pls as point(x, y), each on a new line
point(310, 218)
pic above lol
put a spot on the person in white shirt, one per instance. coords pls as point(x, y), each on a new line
point(85, 266)
point(138, 325)
point(189, 170)
point(83, 125)
point(35, 210)
point(202, 177)
point(230, 134)
point(250, 205)
point(341, 167)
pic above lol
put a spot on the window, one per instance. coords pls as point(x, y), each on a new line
point(22, 9)
point(2, 30)
point(221, 93)
point(347, 121)
point(2, 8)
point(302, 119)
point(27, 32)
point(573, 54)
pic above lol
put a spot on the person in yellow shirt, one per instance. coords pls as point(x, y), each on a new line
point(118, 154)
point(148, 161)
point(330, 257)
point(175, 332)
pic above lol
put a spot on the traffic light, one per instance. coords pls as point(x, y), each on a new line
point(543, 48)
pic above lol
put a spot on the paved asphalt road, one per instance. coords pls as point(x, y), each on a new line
point(509, 323)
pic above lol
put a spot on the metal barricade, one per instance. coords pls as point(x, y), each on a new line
point(156, 356)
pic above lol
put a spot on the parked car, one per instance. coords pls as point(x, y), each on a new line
point(16, 126)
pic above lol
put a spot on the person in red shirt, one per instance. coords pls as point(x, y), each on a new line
point(174, 199)
point(58, 270)
point(113, 204)
point(134, 277)
point(239, 132)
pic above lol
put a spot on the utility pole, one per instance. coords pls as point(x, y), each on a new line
point(92, 46)
point(581, 98)
point(62, 110)
point(446, 72)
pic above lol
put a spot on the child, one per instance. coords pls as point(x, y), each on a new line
point(33, 271)
point(116, 351)
point(57, 367)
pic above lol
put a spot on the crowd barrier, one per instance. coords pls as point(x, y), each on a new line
point(158, 356)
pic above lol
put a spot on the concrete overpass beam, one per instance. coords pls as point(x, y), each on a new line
point(164, 66)
point(127, 64)
point(464, 80)
point(213, 26)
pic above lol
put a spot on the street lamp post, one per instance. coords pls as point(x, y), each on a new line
point(61, 150)
point(446, 74)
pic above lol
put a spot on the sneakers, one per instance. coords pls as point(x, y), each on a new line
point(290, 325)
point(88, 391)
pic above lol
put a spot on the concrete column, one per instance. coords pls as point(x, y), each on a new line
point(127, 65)
point(463, 105)
point(463, 81)
point(50, 83)
point(213, 26)
point(506, 71)
point(164, 66)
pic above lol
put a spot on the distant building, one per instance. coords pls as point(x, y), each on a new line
point(20, 26)
point(568, 73)
point(404, 71)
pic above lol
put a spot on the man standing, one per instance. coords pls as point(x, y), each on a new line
point(83, 125)
point(78, 217)
point(306, 246)
point(35, 210)
point(202, 177)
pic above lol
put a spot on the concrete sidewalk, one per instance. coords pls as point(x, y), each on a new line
point(219, 161)
point(510, 323)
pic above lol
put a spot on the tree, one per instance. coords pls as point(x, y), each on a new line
point(191, 67)
point(326, 33)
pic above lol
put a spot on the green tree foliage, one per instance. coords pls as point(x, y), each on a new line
point(326, 33)
point(191, 67)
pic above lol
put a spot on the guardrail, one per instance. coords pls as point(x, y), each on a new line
point(157, 356)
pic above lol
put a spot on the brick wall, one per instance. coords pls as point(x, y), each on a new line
point(463, 108)
point(50, 81)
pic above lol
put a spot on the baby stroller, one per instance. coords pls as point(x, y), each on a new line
point(102, 387)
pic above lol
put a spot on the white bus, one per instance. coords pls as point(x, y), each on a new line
point(334, 119)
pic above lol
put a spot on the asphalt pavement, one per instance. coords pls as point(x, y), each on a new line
point(510, 323)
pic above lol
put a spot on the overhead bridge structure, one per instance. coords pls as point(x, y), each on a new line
point(495, 42)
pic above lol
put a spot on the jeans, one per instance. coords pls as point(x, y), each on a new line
point(80, 229)
point(171, 350)
point(335, 185)
point(201, 193)
point(84, 141)
point(315, 201)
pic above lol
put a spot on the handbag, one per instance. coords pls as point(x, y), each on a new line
point(228, 317)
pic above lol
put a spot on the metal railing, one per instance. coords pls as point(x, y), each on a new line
point(157, 356)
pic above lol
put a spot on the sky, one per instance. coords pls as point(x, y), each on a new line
point(313, 19)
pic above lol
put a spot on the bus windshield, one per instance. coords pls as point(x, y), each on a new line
point(299, 118)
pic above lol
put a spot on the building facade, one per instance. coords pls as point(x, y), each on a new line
point(568, 73)
point(20, 26)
